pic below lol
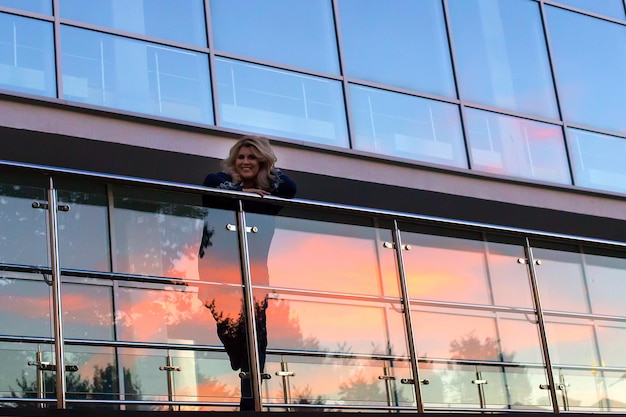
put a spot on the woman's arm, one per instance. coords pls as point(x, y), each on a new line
point(283, 186)
point(221, 180)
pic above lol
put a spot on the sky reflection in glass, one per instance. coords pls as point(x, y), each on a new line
point(37, 6)
point(517, 147)
point(501, 55)
point(590, 62)
point(610, 8)
point(27, 56)
point(401, 43)
point(181, 21)
point(277, 102)
point(297, 33)
point(407, 127)
point(598, 160)
point(141, 77)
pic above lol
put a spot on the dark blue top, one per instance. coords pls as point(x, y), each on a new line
point(282, 186)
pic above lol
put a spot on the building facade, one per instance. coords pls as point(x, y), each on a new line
point(457, 242)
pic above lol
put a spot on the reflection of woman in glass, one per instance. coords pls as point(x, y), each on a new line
point(249, 167)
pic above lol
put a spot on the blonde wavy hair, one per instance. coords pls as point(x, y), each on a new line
point(261, 148)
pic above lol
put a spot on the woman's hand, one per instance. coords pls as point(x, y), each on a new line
point(256, 191)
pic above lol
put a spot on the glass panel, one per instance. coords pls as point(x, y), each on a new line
point(407, 127)
point(321, 254)
point(25, 304)
point(24, 237)
point(476, 335)
point(336, 381)
point(88, 310)
point(506, 387)
point(590, 61)
point(611, 343)
point(323, 324)
point(501, 54)
point(141, 77)
point(516, 388)
point(159, 234)
point(97, 376)
point(450, 385)
point(610, 8)
point(408, 39)
point(571, 341)
point(172, 313)
point(598, 160)
point(606, 284)
point(275, 102)
point(589, 391)
point(84, 230)
point(561, 280)
point(203, 376)
point(18, 379)
point(37, 6)
point(26, 56)
point(483, 272)
point(517, 147)
point(293, 32)
point(181, 21)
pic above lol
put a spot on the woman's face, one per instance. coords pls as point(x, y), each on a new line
point(247, 165)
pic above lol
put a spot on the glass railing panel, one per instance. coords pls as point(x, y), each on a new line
point(25, 304)
point(483, 271)
point(163, 313)
point(88, 309)
point(84, 229)
point(591, 390)
point(317, 252)
point(335, 381)
point(326, 325)
point(93, 373)
point(605, 281)
point(24, 228)
point(19, 379)
point(514, 387)
point(159, 234)
point(448, 333)
point(571, 341)
point(586, 342)
point(452, 385)
point(196, 376)
point(561, 278)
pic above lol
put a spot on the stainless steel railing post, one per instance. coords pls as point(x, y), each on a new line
point(57, 309)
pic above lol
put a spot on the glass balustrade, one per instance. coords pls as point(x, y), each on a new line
point(167, 303)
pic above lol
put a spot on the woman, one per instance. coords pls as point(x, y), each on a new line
point(249, 167)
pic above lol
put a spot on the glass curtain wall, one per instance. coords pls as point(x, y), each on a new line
point(530, 90)
point(158, 307)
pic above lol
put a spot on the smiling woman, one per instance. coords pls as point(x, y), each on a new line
point(249, 167)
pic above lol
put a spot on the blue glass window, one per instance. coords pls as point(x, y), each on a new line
point(598, 160)
point(401, 43)
point(26, 56)
point(407, 127)
point(501, 55)
point(610, 8)
point(181, 21)
point(590, 61)
point(517, 147)
point(270, 101)
point(141, 77)
point(298, 33)
point(37, 6)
